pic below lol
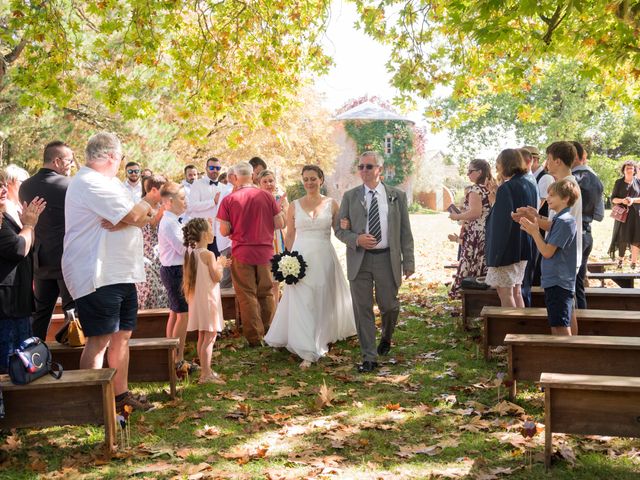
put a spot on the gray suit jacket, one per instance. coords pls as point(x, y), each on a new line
point(353, 207)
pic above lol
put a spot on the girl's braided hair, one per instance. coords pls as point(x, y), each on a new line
point(192, 233)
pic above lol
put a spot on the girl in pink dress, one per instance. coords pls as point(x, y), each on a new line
point(202, 274)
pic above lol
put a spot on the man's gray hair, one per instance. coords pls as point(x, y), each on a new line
point(13, 172)
point(370, 153)
point(242, 169)
point(100, 145)
point(231, 171)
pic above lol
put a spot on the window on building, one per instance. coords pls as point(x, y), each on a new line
point(388, 144)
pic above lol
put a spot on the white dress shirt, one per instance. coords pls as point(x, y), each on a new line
point(170, 240)
point(222, 242)
point(187, 187)
point(134, 190)
point(383, 211)
point(93, 256)
point(201, 202)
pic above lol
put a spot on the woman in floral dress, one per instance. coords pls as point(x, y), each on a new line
point(151, 293)
point(474, 215)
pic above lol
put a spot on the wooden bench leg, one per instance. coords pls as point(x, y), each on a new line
point(173, 376)
point(485, 339)
point(512, 387)
point(548, 435)
point(109, 406)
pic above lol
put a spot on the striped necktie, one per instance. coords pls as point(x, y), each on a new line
point(374, 218)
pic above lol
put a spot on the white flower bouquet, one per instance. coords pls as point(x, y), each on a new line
point(288, 267)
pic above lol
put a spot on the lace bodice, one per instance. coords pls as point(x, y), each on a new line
point(318, 227)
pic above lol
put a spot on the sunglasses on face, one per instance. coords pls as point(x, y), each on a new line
point(130, 171)
point(214, 167)
point(368, 166)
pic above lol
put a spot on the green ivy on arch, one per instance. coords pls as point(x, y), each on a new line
point(370, 135)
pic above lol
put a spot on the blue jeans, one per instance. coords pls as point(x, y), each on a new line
point(13, 331)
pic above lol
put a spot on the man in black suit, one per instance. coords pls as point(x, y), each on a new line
point(50, 184)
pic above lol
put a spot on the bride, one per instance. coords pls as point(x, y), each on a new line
point(317, 310)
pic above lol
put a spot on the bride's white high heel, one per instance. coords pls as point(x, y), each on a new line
point(305, 364)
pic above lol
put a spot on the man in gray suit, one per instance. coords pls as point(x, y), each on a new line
point(374, 224)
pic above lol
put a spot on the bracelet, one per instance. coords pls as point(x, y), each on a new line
point(28, 225)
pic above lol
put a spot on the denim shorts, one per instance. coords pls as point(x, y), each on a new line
point(172, 280)
point(109, 309)
point(559, 303)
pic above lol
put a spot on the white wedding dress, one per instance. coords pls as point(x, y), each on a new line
point(317, 310)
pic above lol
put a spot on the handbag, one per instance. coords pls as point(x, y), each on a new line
point(620, 213)
point(32, 360)
point(71, 332)
point(474, 283)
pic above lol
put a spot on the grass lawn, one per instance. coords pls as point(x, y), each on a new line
point(431, 411)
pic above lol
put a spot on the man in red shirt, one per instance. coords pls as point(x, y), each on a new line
point(249, 216)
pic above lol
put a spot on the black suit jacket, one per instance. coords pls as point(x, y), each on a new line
point(47, 251)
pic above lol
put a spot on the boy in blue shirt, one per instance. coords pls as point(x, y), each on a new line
point(559, 253)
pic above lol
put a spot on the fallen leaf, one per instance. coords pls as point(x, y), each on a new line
point(208, 431)
point(325, 396)
point(286, 391)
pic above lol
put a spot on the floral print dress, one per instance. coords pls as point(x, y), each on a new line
point(472, 262)
point(151, 293)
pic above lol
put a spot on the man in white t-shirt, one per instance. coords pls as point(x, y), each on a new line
point(103, 259)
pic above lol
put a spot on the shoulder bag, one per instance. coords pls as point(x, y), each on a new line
point(32, 360)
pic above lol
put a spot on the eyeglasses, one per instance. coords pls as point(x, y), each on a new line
point(214, 167)
point(368, 166)
point(66, 161)
point(131, 170)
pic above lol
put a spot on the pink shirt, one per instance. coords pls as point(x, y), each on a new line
point(250, 212)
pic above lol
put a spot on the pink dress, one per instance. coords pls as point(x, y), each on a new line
point(205, 304)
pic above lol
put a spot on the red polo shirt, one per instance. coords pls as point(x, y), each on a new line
point(250, 212)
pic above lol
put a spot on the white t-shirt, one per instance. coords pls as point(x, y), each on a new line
point(576, 212)
point(94, 257)
point(543, 185)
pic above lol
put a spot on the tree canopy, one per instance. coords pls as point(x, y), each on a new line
point(201, 57)
point(477, 47)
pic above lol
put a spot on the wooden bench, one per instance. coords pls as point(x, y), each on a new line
point(589, 405)
point(150, 359)
point(597, 298)
point(500, 321)
point(599, 267)
point(623, 279)
point(152, 323)
point(530, 355)
point(80, 397)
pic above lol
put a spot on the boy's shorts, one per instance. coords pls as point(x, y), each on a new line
point(108, 310)
point(559, 303)
point(172, 280)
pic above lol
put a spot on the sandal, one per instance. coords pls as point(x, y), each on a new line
point(620, 263)
point(633, 265)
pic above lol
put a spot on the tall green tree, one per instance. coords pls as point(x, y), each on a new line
point(477, 47)
point(203, 57)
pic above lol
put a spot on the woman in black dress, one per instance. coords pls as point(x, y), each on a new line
point(626, 192)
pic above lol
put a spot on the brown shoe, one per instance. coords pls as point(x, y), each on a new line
point(131, 401)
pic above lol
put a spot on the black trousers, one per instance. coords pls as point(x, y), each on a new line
point(213, 247)
point(587, 245)
point(46, 293)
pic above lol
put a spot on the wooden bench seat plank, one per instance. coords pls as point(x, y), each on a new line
point(150, 359)
point(597, 298)
point(531, 355)
point(590, 382)
point(590, 405)
point(623, 279)
point(577, 341)
point(499, 321)
point(80, 397)
point(73, 378)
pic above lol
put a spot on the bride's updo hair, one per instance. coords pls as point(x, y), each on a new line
point(313, 168)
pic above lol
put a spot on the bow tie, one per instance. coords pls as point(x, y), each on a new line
point(211, 182)
point(179, 219)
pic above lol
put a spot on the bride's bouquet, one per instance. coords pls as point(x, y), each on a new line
point(288, 267)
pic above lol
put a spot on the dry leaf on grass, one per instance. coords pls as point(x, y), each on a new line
point(408, 451)
point(12, 443)
point(325, 396)
point(507, 408)
point(208, 431)
point(155, 468)
point(284, 392)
